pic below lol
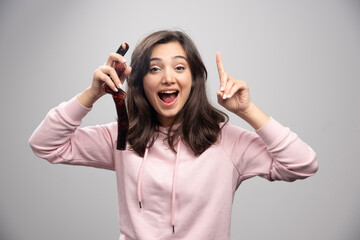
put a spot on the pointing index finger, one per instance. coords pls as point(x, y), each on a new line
point(221, 70)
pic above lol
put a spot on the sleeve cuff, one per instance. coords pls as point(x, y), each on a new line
point(73, 110)
point(271, 131)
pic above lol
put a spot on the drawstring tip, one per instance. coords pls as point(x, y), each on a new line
point(173, 229)
point(140, 205)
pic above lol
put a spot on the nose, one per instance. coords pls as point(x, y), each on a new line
point(168, 77)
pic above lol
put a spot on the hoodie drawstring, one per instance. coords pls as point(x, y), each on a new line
point(173, 199)
point(141, 177)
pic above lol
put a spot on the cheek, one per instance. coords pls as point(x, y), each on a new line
point(150, 82)
point(188, 84)
point(190, 87)
point(149, 92)
point(147, 86)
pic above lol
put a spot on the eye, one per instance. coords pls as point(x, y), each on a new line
point(154, 69)
point(180, 68)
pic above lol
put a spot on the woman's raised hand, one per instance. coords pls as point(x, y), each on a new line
point(234, 96)
point(104, 75)
point(234, 93)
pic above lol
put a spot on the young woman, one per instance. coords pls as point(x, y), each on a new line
point(183, 162)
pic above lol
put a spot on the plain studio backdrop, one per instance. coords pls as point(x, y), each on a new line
point(300, 58)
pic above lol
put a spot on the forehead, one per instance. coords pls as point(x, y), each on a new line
point(170, 49)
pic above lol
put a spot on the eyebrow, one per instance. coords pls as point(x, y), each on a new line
point(175, 57)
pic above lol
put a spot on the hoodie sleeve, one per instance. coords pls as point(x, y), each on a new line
point(273, 152)
point(59, 139)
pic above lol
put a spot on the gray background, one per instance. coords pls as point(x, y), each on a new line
point(301, 60)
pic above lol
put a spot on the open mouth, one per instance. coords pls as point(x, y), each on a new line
point(168, 96)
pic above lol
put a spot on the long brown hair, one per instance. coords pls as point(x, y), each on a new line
point(199, 121)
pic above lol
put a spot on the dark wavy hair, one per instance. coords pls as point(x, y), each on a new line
point(199, 121)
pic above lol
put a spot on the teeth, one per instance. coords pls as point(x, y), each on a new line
point(169, 92)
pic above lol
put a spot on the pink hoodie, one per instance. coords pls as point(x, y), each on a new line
point(174, 196)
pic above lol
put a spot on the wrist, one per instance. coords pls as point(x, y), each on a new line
point(254, 116)
point(88, 98)
point(248, 111)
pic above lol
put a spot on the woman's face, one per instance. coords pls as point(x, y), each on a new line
point(167, 84)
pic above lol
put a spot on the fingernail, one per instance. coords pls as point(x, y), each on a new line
point(115, 89)
point(119, 85)
point(123, 60)
point(222, 88)
point(224, 96)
